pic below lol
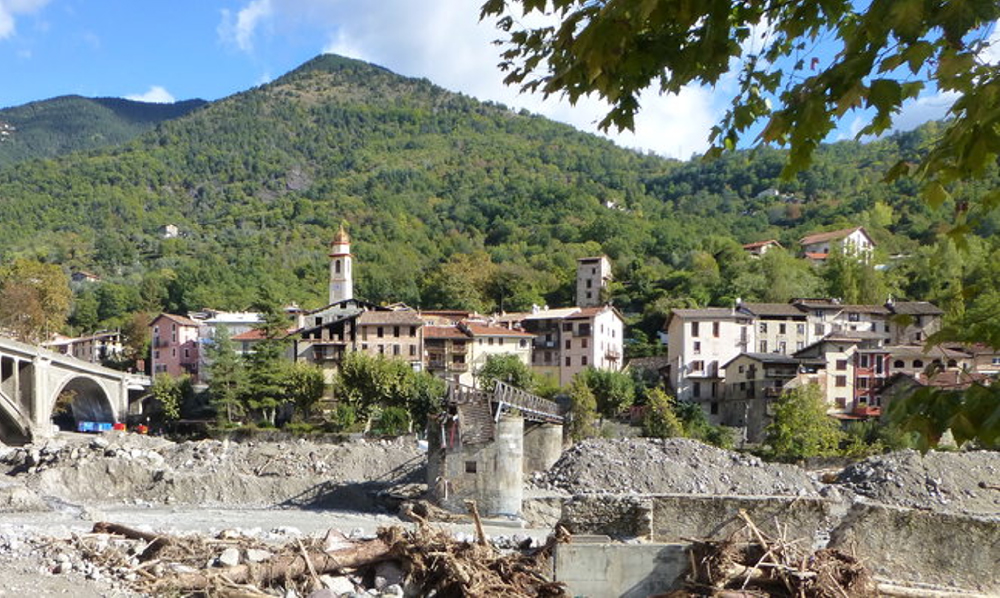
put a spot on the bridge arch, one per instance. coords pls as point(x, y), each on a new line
point(88, 400)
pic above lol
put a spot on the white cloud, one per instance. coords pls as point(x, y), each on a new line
point(992, 53)
point(155, 95)
point(12, 8)
point(239, 30)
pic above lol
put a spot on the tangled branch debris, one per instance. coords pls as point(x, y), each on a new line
point(751, 564)
point(430, 562)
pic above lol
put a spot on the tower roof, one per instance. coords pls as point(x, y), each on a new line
point(341, 238)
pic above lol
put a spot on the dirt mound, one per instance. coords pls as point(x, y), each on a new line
point(966, 483)
point(130, 468)
point(673, 465)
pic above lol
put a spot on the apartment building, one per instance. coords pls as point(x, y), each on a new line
point(457, 352)
point(593, 275)
point(175, 348)
point(569, 340)
point(699, 343)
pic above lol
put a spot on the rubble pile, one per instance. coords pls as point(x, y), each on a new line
point(668, 466)
point(392, 564)
point(965, 483)
point(134, 469)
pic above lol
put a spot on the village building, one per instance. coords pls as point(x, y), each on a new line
point(593, 275)
point(93, 348)
point(854, 366)
point(913, 321)
point(175, 346)
point(458, 352)
point(699, 343)
point(759, 248)
point(780, 327)
point(917, 359)
point(852, 241)
point(396, 334)
point(754, 382)
point(569, 340)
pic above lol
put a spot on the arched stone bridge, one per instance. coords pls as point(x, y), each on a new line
point(32, 379)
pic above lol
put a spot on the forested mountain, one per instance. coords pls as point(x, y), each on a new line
point(50, 128)
point(452, 202)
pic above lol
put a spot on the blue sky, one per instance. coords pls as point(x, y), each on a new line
point(164, 51)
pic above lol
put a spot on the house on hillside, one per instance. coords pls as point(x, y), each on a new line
point(457, 352)
point(753, 383)
point(759, 248)
point(593, 275)
point(853, 241)
point(93, 348)
point(853, 367)
point(913, 321)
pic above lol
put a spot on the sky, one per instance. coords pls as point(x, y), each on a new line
point(183, 49)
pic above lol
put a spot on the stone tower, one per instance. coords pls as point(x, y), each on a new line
point(341, 276)
point(593, 274)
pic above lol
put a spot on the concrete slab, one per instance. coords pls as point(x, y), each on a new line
point(623, 570)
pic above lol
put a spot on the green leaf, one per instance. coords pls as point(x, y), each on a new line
point(934, 194)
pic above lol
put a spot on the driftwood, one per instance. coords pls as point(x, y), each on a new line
point(310, 562)
point(155, 542)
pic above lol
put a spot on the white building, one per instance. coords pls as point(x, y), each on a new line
point(457, 352)
point(569, 340)
point(853, 241)
point(699, 343)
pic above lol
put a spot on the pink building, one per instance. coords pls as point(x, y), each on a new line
point(175, 346)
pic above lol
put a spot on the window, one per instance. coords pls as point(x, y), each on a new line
point(853, 317)
point(694, 328)
point(952, 363)
point(841, 402)
point(697, 347)
point(743, 385)
point(156, 354)
point(173, 352)
point(782, 328)
point(899, 363)
point(715, 329)
point(583, 343)
point(590, 283)
point(583, 360)
point(413, 350)
point(799, 345)
point(742, 368)
point(567, 327)
point(800, 329)
point(715, 408)
point(841, 381)
point(489, 341)
point(865, 361)
point(589, 295)
point(522, 343)
point(917, 363)
point(996, 361)
point(568, 363)
point(187, 353)
point(381, 349)
point(818, 330)
point(470, 467)
point(697, 366)
point(379, 332)
point(395, 331)
point(862, 382)
point(841, 364)
point(696, 389)
point(336, 266)
point(413, 331)
point(500, 341)
point(782, 347)
point(763, 327)
point(763, 346)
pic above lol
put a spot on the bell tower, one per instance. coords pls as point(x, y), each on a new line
point(341, 276)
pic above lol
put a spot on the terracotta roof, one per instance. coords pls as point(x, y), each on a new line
point(831, 235)
point(255, 334)
point(443, 332)
point(757, 244)
point(485, 330)
point(182, 320)
point(915, 308)
point(773, 309)
point(390, 317)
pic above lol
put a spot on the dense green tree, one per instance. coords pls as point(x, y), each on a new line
point(227, 384)
point(35, 299)
point(582, 411)
point(660, 420)
point(506, 368)
point(85, 316)
point(371, 384)
point(170, 394)
point(267, 365)
point(800, 427)
point(613, 391)
point(305, 387)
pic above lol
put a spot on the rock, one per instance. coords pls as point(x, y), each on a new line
point(256, 555)
point(230, 557)
point(393, 591)
point(326, 593)
point(388, 573)
point(336, 585)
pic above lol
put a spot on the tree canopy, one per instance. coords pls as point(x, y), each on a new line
point(799, 67)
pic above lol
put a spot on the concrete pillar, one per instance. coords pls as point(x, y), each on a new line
point(506, 488)
point(542, 446)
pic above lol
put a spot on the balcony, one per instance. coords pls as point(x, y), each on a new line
point(864, 410)
point(459, 349)
point(458, 367)
point(435, 364)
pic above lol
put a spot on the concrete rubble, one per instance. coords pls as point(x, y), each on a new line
point(930, 521)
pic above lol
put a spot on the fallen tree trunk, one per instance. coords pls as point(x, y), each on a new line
point(364, 553)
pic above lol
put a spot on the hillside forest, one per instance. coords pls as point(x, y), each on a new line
point(455, 203)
